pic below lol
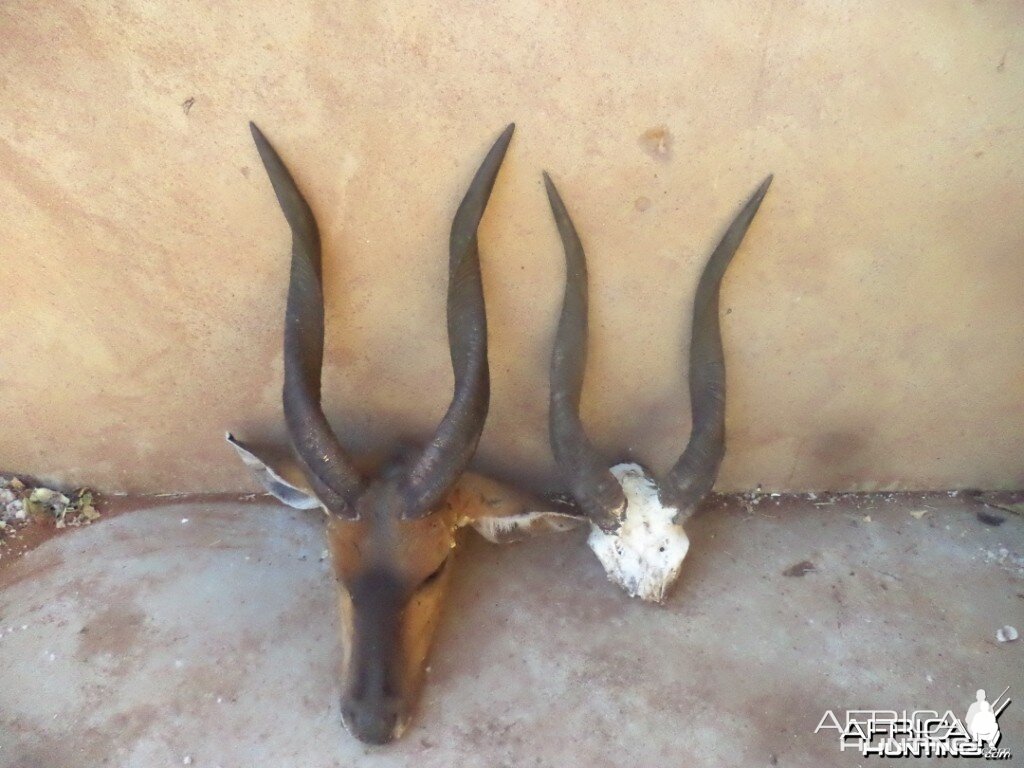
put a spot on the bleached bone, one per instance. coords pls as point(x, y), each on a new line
point(637, 520)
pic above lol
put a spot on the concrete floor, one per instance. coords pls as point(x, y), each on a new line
point(148, 641)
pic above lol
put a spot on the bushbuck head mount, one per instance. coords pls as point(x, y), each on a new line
point(636, 520)
point(391, 538)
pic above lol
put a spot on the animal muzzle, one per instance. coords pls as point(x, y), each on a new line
point(374, 707)
point(374, 721)
point(376, 700)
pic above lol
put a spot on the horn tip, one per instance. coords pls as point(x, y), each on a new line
point(501, 145)
point(754, 202)
point(554, 198)
point(263, 146)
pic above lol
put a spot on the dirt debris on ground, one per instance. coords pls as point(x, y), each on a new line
point(28, 510)
point(31, 513)
point(12, 502)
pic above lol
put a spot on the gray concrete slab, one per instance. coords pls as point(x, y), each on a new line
point(148, 641)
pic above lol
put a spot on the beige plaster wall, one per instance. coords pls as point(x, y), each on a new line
point(875, 313)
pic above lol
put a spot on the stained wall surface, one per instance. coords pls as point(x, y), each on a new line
point(873, 319)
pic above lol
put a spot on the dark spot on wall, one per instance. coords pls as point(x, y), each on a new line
point(837, 446)
point(187, 104)
point(840, 456)
point(657, 142)
point(642, 204)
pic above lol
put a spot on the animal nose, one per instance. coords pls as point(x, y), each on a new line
point(376, 723)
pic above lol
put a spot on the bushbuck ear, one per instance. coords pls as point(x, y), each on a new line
point(502, 514)
point(277, 486)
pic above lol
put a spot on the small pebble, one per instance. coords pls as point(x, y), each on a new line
point(184, 520)
point(1007, 634)
point(186, 760)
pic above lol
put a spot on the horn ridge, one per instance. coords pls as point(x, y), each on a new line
point(582, 467)
point(694, 474)
point(458, 434)
point(324, 461)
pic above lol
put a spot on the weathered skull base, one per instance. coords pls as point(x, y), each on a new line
point(644, 556)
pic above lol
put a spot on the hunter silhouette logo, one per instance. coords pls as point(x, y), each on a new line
point(982, 718)
point(922, 733)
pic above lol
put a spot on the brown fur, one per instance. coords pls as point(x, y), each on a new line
point(410, 552)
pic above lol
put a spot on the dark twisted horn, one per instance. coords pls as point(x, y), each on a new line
point(694, 474)
point(582, 467)
point(334, 480)
point(456, 438)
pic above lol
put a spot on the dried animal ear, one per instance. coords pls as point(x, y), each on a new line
point(506, 529)
point(277, 486)
point(503, 515)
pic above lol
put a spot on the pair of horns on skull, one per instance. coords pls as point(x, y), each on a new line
point(391, 537)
